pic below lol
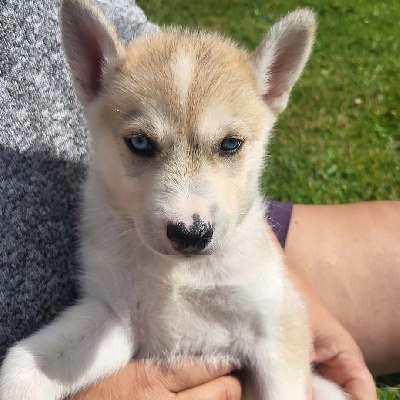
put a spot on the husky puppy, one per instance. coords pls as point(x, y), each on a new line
point(177, 259)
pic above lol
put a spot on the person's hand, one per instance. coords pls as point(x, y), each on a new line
point(336, 354)
point(338, 358)
point(184, 381)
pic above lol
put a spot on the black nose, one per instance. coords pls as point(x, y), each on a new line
point(194, 238)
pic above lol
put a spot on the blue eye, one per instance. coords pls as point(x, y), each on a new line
point(230, 146)
point(140, 145)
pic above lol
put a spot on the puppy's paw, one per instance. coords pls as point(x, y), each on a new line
point(327, 390)
point(22, 379)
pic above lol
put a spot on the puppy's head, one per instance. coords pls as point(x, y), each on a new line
point(179, 121)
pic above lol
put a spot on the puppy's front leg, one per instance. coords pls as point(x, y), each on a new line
point(278, 366)
point(284, 374)
point(86, 343)
point(272, 377)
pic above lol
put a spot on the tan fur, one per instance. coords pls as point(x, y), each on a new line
point(294, 324)
point(144, 97)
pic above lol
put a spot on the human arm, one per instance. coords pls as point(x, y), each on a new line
point(336, 354)
point(349, 254)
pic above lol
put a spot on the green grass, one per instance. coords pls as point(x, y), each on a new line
point(388, 387)
point(339, 139)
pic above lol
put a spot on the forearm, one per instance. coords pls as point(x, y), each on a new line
point(335, 352)
point(317, 310)
point(349, 255)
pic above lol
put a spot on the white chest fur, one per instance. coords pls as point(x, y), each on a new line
point(204, 319)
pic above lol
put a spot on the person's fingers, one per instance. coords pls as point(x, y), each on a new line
point(350, 372)
point(223, 388)
point(190, 373)
point(325, 348)
point(341, 361)
point(361, 388)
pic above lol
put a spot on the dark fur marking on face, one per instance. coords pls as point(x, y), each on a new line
point(199, 225)
point(190, 240)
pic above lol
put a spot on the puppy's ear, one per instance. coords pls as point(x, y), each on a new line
point(91, 45)
point(280, 58)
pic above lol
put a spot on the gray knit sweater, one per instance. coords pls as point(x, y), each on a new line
point(43, 154)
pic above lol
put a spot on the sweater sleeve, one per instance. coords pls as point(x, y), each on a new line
point(43, 156)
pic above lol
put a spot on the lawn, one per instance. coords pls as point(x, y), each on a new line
point(339, 139)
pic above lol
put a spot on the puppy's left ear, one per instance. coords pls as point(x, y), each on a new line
point(280, 58)
point(91, 45)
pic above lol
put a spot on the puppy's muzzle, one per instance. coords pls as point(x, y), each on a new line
point(192, 239)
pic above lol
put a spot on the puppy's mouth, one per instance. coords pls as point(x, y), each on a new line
point(191, 252)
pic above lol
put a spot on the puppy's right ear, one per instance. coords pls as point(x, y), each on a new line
point(91, 45)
